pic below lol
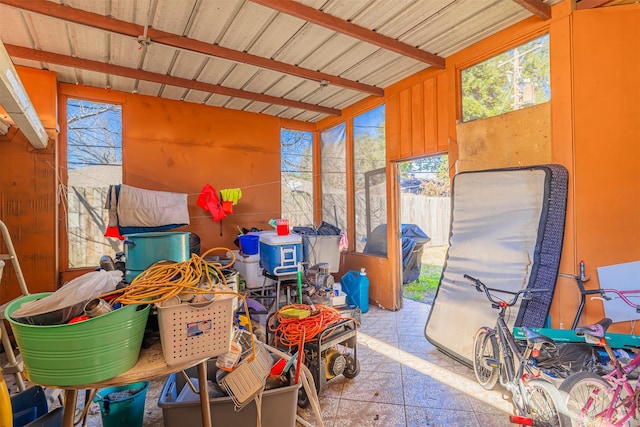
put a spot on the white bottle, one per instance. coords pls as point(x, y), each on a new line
point(229, 361)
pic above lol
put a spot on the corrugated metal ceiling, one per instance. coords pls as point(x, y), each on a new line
point(276, 63)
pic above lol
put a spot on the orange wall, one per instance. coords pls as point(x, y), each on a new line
point(607, 134)
point(27, 193)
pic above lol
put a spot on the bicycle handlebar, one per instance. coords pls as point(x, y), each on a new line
point(622, 295)
point(525, 293)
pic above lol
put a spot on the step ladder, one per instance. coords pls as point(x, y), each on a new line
point(14, 365)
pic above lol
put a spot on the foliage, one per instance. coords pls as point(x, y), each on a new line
point(506, 82)
point(423, 289)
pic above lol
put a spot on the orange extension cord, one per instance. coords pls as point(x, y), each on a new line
point(291, 331)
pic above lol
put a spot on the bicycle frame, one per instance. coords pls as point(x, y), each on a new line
point(618, 384)
point(515, 366)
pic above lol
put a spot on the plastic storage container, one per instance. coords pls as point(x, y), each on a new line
point(280, 254)
point(320, 248)
point(181, 406)
point(249, 244)
point(142, 250)
point(80, 353)
point(249, 268)
point(190, 332)
point(356, 285)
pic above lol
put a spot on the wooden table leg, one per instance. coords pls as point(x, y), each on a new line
point(204, 394)
point(70, 399)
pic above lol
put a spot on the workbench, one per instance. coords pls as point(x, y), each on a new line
point(150, 365)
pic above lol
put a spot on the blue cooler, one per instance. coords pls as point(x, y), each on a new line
point(280, 254)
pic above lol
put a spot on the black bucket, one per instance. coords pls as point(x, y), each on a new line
point(194, 243)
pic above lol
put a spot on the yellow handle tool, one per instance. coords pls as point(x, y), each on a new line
point(6, 414)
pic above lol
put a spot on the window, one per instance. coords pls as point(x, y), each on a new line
point(507, 82)
point(333, 176)
point(296, 175)
point(370, 183)
point(94, 162)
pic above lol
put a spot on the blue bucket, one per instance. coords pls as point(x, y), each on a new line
point(249, 244)
point(123, 405)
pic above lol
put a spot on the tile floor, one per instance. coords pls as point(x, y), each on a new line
point(404, 381)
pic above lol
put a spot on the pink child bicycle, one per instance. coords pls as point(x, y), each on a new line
point(609, 400)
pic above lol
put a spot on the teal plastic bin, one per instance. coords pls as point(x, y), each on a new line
point(356, 285)
point(123, 405)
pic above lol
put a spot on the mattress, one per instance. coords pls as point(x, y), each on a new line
point(507, 229)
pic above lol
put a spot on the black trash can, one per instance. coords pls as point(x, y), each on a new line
point(413, 241)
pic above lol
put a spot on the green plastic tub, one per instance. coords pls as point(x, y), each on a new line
point(80, 353)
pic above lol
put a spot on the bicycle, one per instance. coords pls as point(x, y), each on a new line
point(609, 400)
point(498, 357)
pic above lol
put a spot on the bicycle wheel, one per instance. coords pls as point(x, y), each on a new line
point(587, 399)
point(546, 407)
point(485, 352)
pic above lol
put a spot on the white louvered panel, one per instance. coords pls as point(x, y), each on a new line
point(284, 86)
point(274, 110)
point(256, 107)
point(196, 96)
point(330, 51)
point(392, 74)
point(318, 96)
point(370, 64)
point(187, 65)
point(173, 16)
point(262, 81)
point(125, 51)
point(18, 33)
point(278, 32)
point(65, 74)
point(149, 88)
point(311, 116)
point(241, 74)
point(247, 25)
point(172, 92)
point(158, 58)
point(472, 30)
point(130, 11)
point(237, 103)
point(93, 79)
point(215, 70)
point(353, 56)
point(124, 84)
point(290, 113)
point(416, 14)
point(305, 42)
point(99, 7)
point(48, 34)
point(302, 91)
point(217, 100)
point(213, 18)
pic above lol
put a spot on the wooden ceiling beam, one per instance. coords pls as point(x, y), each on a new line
point(100, 67)
point(537, 7)
point(315, 16)
point(106, 23)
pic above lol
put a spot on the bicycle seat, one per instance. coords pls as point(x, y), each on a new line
point(597, 330)
point(535, 338)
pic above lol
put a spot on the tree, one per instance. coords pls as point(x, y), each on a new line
point(507, 82)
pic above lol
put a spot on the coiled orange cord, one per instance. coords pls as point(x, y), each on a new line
point(290, 331)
